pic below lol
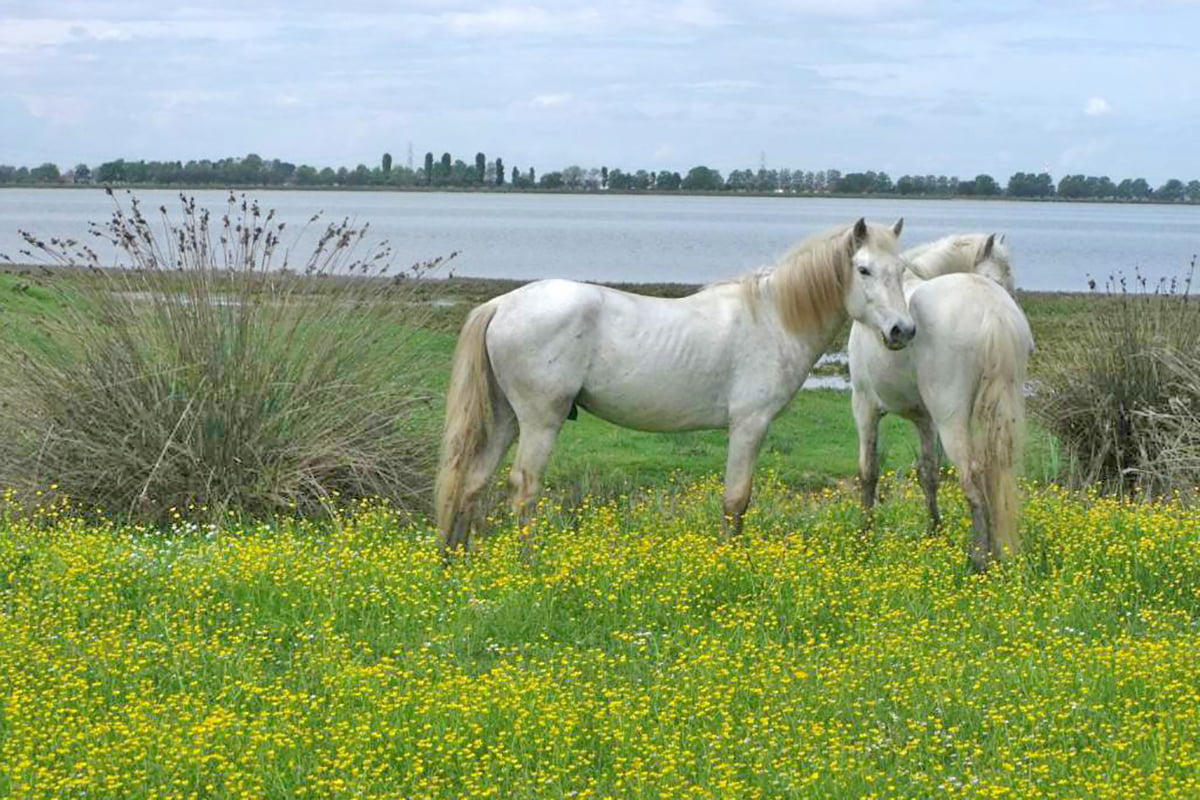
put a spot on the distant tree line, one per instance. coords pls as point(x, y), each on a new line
point(483, 174)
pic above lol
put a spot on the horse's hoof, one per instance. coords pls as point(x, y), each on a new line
point(980, 563)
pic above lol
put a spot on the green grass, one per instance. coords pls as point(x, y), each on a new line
point(635, 656)
point(811, 445)
point(27, 298)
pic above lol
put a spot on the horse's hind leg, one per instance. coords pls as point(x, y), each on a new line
point(534, 444)
point(927, 470)
point(866, 419)
point(956, 438)
point(745, 439)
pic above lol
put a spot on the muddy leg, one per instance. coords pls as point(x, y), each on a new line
point(956, 438)
point(866, 419)
point(745, 439)
point(533, 453)
point(928, 472)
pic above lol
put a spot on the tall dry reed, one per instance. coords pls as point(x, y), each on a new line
point(212, 367)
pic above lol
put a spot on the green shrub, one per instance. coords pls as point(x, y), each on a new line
point(208, 370)
point(1123, 396)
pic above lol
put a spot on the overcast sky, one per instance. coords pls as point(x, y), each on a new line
point(905, 86)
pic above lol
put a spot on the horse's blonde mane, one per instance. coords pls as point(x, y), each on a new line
point(808, 284)
point(956, 253)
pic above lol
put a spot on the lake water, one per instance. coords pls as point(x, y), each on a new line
point(671, 238)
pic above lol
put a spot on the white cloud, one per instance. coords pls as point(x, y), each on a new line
point(68, 109)
point(874, 10)
point(695, 13)
point(28, 34)
point(520, 19)
point(551, 101)
point(501, 20)
point(1096, 107)
point(722, 85)
point(1084, 156)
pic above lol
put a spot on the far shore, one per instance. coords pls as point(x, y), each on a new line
point(594, 193)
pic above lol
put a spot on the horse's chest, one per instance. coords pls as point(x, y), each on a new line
point(895, 383)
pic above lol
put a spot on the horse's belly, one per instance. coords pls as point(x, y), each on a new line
point(894, 382)
point(900, 398)
point(656, 405)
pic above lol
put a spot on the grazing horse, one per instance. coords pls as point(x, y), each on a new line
point(729, 356)
point(961, 379)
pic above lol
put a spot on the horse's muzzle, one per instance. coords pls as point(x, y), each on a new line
point(899, 335)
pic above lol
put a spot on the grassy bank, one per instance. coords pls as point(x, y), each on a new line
point(811, 445)
point(636, 657)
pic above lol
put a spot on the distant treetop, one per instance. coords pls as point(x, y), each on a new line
point(483, 174)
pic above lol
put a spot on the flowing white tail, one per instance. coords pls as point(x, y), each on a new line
point(469, 420)
point(998, 428)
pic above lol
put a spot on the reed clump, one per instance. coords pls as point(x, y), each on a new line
point(203, 365)
point(1123, 395)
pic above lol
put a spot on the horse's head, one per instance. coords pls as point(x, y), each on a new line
point(992, 261)
point(874, 293)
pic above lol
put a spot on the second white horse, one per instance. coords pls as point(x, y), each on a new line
point(961, 379)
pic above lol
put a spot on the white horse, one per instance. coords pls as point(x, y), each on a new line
point(960, 379)
point(730, 356)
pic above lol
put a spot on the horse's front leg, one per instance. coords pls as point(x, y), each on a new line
point(745, 439)
point(927, 470)
point(866, 420)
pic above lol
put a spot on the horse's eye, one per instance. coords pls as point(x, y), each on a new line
point(864, 271)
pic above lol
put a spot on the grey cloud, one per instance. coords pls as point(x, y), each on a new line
point(901, 85)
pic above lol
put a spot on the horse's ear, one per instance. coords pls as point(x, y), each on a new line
point(859, 235)
point(899, 226)
point(986, 251)
point(1001, 239)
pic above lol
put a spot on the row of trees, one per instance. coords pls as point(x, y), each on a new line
point(482, 173)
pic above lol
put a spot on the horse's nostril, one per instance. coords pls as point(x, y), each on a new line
point(895, 333)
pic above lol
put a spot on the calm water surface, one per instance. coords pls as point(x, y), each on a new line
point(1056, 246)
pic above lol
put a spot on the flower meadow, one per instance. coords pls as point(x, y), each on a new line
point(631, 654)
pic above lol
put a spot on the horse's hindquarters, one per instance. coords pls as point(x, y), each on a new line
point(957, 317)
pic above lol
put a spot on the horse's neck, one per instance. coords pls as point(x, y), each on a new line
point(930, 261)
point(910, 281)
point(940, 258)
point(800, 349)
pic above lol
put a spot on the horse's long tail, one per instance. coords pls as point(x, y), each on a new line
point(998, 424)
point(468, 422)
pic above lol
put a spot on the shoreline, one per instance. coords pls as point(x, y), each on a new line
point(484, 287)
point(588, 193)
